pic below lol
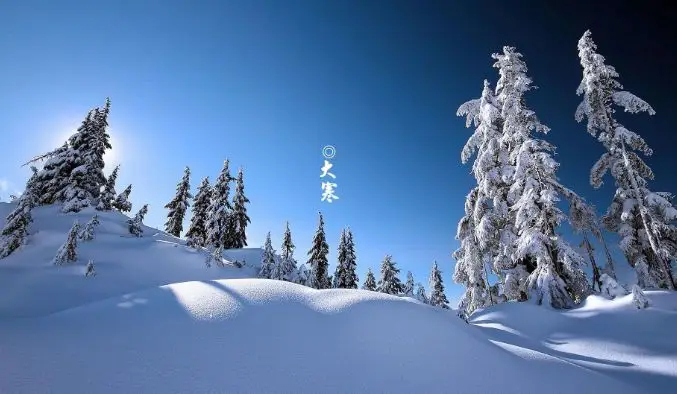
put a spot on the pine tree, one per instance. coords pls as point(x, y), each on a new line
point(86, 177)
point(369, 281)
point(437, 296)
point(239, 215)
point(54, 175)
point(87, 233)
point(267, 259)
point(340, 273)
point(408, 287)
point(420, 294)
point(179, 205)
point(196, 235)
point(90, 271)
point(15, 232)
point(287, 266)
point(108, 194)
point(389, 282)
point(302, 275)
point(122, 202)
point(350, 278)
point(558, 278)
point(68, 251)
point(319, 265)
point(217, 256)
point(644, 220)
point(220, 210)
point(639, 298)
point(135, 224)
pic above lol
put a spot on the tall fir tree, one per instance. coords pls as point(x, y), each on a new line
point(54, 175)
point(420, 294)
point(268, 262)
point(437, 296)
point(369, 281)
point(340, 272)
point(350, 278)
point(196, 235)
point(108, 194)
point(408, 287)
point(319, 264)
point(389, 282)
point(240, 219)
point(135, 224)
point(87, 233)
point(121, 202)
point(179, 205)
point(558, 278)
point(644, 220)
point(220, 209)
point(287, 266)
point(67, 253)
point(15, 232)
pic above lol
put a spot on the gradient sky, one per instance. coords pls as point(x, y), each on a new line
point(267, 84)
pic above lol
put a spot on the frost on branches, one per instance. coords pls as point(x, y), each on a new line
point(196, 235)
point(610, 288)
point(240, 219)
point(408, 287)
point(220, 210)
point(369, 281)
point(557, 278)
point(179, 205)
point(108, 194)
point(67, 253)
point(15, 232)
point(135, 224)
point(267, 259)
point(437, 296)
point(639, 298)
point(420, 294)
point(286, 268)
point(318, 262)
point(345, 276)
point(644, 220)
point(389, 282)
point(87, 233)
point(122, 202)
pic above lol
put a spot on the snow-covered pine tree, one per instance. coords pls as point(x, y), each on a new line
point(340, 271)
point(135, 224)
point(217, 256)
point(54, 175)
point(220, 209)
point(408, 287)
point(644, 220)
point(67, 253)
point(87, 233)
point(90, 271)
point(15, 232)
point(639, 298)
point(196, 235)
point(179, 205)
point(369, 281)
point(610, 288)
point(287, 266)
point(121, 202)
point(318, 262)
point(437, 296)
point(389, 282)
point(240, 218)
point(420, 294)
point(350, 278)
point(267, 259)
point(108, 194)
point(558, 279)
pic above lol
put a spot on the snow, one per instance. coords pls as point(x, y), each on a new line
point(155, 319)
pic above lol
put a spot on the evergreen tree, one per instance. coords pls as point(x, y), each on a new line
point(340, 273)
point(644, 220)
point(197, 231)
point(420, 294)
point(408, 288)
point(54, 175)
point(319, 265)
point(68, 251)
point(122, 202)
point(639, 298)
point(179, 205)
point(87, 233)
point(267, 259)
point(287, 266)
point(303, 275)
point(108, 194)
point(350, 278)
point(15, 232)
point(239, 215)
point(389, 282)
point(217, 256)
point(220, 210)
point(90, 271)
point(437, 296)
point(369, 281)
point(135, 224)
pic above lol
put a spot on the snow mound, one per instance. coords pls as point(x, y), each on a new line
point(612, 337)
point(32, 286)
point(263, 336)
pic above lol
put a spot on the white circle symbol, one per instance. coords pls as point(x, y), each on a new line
point(329, 152)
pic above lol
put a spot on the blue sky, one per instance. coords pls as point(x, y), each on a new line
point(267, 84)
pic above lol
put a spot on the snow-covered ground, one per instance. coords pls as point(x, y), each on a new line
point(156, 320)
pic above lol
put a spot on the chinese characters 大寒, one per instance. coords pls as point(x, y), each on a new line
point(328, 192)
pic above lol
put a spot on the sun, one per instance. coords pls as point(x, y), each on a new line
point(111, 157)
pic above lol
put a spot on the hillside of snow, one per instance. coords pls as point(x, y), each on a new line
point(155, 319)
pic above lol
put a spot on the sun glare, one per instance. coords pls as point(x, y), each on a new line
point(112, 156)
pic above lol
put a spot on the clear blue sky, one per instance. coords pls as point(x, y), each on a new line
point(268, 83)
